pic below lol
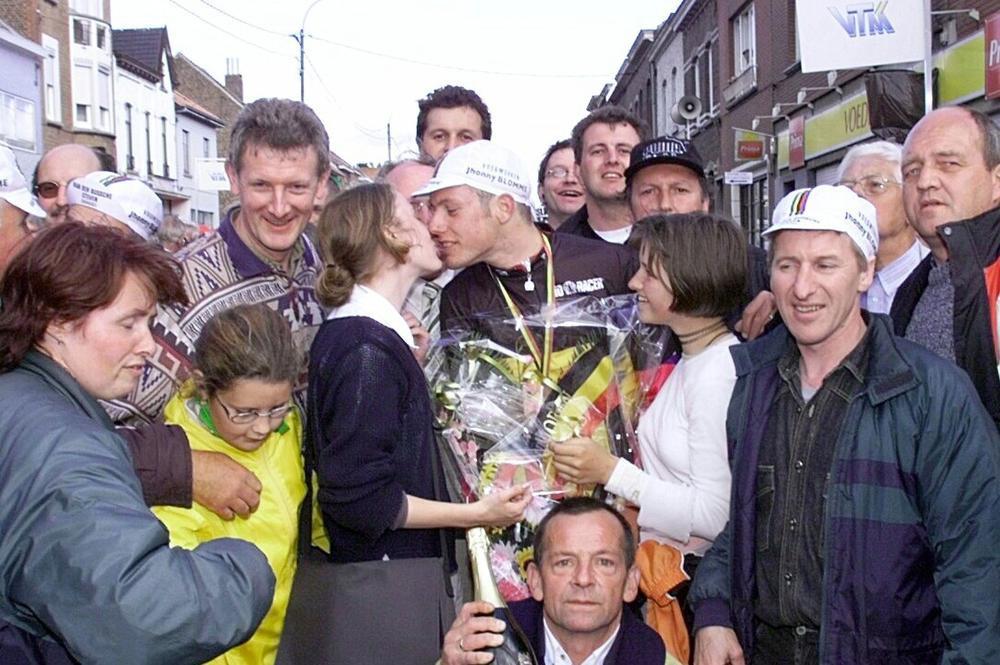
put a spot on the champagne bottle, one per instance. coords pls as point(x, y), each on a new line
point(515, 650)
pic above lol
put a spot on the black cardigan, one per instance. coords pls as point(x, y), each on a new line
point(369, 429)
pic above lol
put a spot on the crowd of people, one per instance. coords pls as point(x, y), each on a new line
point(222, 447)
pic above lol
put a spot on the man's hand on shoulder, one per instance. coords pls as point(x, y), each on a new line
point(223, 486)
point(757, 315)
point(717, 645)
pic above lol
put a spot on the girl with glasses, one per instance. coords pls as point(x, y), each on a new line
point(238, 403)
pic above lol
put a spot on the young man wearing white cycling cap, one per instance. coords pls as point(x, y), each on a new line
point(481, 220)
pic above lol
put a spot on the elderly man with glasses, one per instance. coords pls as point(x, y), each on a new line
point(873, 171)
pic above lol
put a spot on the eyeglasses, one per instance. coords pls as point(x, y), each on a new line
point(241, 417)
point(48, 189)
point(872, 185)
point(557, 172)
point(421, 206)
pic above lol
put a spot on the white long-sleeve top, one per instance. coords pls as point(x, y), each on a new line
point(683, 490)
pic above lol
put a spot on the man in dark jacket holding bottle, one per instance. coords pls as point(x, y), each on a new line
point(583, 574)
point(865, 507)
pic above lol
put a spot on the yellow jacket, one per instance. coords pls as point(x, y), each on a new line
point(273, 527)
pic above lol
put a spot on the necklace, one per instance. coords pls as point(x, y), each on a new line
point(541, 353)
point(529, 285)
point(687, 338)
point(691, 342)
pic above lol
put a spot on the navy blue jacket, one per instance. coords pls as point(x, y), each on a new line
point(911, 521)
point(636, 644)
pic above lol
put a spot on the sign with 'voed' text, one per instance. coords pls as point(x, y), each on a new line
point(843, 34)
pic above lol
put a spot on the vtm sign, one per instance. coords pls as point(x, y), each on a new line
point(863, 19)
point(992, 28)
point(841, 34)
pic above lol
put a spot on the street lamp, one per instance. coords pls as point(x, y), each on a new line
point(804, 91)
point(755, 123)
point(776, 110)
point(301, 39)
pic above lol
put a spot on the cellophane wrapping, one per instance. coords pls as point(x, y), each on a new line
point(497, 413)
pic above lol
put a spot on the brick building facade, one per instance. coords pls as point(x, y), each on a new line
point(223, 101)
point(741, 60)
point(78, 109)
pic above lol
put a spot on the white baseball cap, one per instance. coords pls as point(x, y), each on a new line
point(13, 186)
point(828, 208)
point(120, 197)
point(485, 166)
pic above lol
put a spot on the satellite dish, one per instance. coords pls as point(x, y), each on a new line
point(686, 109)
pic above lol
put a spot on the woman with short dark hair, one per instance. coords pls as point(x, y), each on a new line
point(692, 272)
point(86, 571)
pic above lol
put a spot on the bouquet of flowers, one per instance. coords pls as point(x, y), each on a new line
point(499, 407)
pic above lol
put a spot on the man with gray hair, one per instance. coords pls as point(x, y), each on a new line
point(278, 166)
point(174, 233)
point(873, 170)
point(279, 163)
point(951, 190)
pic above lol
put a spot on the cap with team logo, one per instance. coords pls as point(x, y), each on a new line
point(828, 208)
point(13, 186)
point(485, 166)
point(665, 150)
point(120, 197)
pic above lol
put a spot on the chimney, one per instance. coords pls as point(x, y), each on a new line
point(234, 84)
point(234, 80)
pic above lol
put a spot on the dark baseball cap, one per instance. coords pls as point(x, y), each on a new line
point(665, 150)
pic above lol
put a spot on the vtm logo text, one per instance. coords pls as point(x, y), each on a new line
point(864, 19)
